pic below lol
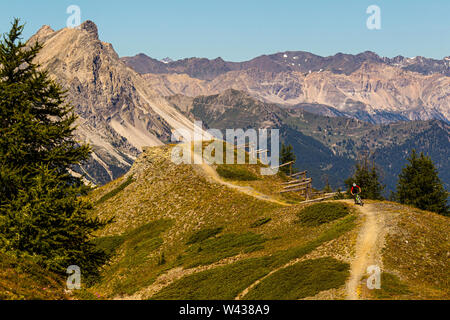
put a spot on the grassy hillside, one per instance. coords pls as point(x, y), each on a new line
point(415, 255)
point(174, 220)
point(183, 232)
point(179, 233)
point(21, 279)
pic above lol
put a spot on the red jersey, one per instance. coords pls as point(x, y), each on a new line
point(355, 190)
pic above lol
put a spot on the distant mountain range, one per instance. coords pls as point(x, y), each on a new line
point(364, 86)
point(326, 146)
point(299, 61)
point(121, 111)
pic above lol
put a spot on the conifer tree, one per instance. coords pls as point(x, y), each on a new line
point(42, 213)
point(286, 155)
point(419, 185)
point(366, 176)
point(327, 188)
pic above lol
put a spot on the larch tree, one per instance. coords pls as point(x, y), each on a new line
point(42, 212)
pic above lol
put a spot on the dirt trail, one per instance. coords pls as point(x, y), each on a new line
point(368, 246)
point(254, 284)
point(211, 173)
point(173, 275)
point(367, 252)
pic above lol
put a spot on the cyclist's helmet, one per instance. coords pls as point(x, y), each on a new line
point(354, 184)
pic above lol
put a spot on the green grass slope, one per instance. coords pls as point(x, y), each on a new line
point(21, 279)
point(173, 221)
point(416, 254)
point(179, 234)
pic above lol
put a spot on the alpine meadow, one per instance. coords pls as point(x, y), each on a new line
point(224, 185)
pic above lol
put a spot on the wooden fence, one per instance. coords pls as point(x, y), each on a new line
point(298, 183)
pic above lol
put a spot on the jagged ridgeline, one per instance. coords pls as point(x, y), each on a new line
point(364, 86)
point(121, 111)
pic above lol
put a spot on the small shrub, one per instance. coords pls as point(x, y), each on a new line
point(320, 213)
point(391, 286)
point(236, 172)
point(215, 249)
point(225, 283)
point(222, 283)
point(260, 222)
point(139, 259)
point(339, 195)
point(204, 234)
point(301, 280)
point(109, 244)
point(161, 259)
point(115, 191)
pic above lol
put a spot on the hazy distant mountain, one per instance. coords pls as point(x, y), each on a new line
point(299, 61)
point(145, 64)
point(421, 64)
point(118, 112)
point(364, 86)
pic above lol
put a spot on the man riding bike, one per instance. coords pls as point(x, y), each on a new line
point(355, 191)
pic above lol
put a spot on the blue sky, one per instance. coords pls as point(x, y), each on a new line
point(241, 30)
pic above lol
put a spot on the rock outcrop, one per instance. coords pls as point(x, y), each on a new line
point(118, 112)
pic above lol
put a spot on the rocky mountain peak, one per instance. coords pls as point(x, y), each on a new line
point(118, 112)
point(369, 55)
point(90, 27)
point(44, 32)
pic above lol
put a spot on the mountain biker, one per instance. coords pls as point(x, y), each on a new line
point(355, 190)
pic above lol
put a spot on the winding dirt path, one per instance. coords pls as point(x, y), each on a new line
point(254, 284)
point(369, 242)
point(213, 175)
point(210, 172)
point(368, 246)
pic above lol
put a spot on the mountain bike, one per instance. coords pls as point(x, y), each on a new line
point(359, 200)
